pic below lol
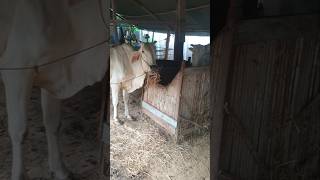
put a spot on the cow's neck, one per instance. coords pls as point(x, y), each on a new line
point(128, 49)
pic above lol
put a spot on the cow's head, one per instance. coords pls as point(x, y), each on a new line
point(148, 53)
point(198, 51)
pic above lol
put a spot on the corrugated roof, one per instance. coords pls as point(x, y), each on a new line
point(197, 14)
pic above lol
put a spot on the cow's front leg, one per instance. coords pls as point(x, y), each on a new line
point(115, 99)
point(51, 108)
point(126, 106)
point(18, 85)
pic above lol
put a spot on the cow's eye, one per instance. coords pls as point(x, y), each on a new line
point(142, 51)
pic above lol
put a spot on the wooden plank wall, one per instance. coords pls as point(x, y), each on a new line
point(194, 111)
point(221, 52)
point(272, 121)
point(165, 98)
point(186, 99)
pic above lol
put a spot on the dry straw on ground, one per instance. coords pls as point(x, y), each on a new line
point(134, 149)
point(140, 148)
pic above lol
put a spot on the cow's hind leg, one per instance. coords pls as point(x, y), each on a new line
point(115, 88)
point(51, 108)
point(126, 106)
point(18, 85)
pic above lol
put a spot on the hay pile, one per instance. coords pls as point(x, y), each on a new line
point(134, 149)
point(137, 144)
point(141, 150)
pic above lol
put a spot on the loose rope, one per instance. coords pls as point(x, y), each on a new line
point(129, 79)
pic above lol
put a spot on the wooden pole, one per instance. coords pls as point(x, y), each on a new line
point(180, 33)
point(167, 46)
point(223, 61)
point(114, 18)
point(152, 36)
point(104, 163)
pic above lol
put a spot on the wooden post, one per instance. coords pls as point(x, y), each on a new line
point(180, 32)
point(220, 71)
point(114, 17)
point(152, 36)
point(104, 112)
point(104, 129)
point(167, 46)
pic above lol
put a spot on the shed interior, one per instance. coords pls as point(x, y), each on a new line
point(161, 15)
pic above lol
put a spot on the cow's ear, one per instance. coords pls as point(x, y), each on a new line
point(154, 42)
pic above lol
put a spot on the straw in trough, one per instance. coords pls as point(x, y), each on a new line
point(153, 78)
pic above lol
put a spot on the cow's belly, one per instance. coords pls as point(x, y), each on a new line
point(128, 81)
point(134, 84)
point(66, 78)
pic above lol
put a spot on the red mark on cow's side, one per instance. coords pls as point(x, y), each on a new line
point(135, 57)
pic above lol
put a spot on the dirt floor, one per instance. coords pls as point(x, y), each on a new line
point(140, 150)
point(78, 136)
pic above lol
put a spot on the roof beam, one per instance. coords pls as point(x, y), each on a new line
point(170, 12)
point(147, 10)
point(180, 30)
point(137, 21)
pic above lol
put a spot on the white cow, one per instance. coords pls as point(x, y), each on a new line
point(200, 54)
point(40, 31)
point(128, 69)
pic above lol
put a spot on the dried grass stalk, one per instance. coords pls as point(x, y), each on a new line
point(153, 78)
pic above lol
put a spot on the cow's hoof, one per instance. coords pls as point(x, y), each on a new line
point(132, 118)
point(129, 117)
point(120, 122)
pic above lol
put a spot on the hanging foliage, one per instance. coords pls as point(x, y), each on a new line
point(129, 32)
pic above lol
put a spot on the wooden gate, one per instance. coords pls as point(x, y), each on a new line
point(183, 106)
